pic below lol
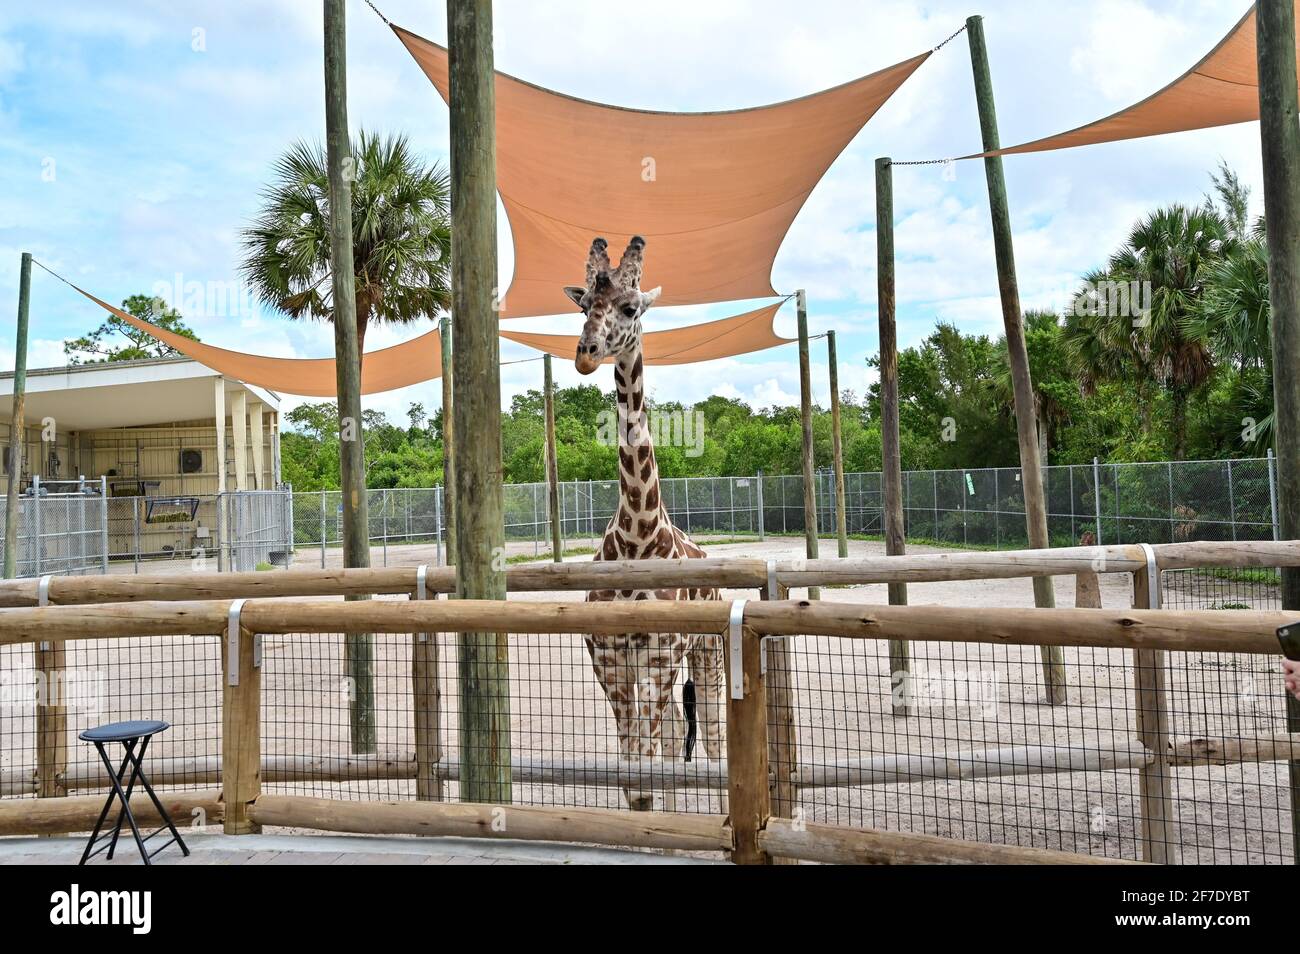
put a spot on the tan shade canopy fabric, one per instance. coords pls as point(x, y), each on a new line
point(740, 334)
point(1222, 89)
point(713, 193)
point(420, 359)
point(410, 362)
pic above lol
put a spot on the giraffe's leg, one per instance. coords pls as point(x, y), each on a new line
point(710, 692)
point(615, 671)
point(658, 657)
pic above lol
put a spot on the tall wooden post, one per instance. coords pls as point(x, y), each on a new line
point(241, 731)
point(837, 441)
point(1151, 708)
point(748, 793)
point(480, 526)
point(552, 467)
point(18, 423)
point(891, 458)
point(1031, 470)
point(448, 441)
point(805, 418)
point(358, 648)
point(1279, 134)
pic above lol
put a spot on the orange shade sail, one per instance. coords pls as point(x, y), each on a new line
point(410, 362)
point(420, 359)
point(713, 193)
point(741, 334)
point(1222, 89)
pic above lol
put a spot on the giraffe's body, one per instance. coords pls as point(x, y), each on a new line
point(638, 671)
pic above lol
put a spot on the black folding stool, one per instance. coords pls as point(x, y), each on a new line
point(130, 734)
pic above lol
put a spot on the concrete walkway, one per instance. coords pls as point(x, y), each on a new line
point(218, 849)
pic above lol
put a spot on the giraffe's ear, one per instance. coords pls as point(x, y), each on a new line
point(575, 293)
point(648, 298)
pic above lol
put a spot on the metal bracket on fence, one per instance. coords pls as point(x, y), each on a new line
point(421, 593)
point(771, 580)
point(762, 652)
point(232, 643)
point(1154, 597)
point(43, 599)
point(735, 647)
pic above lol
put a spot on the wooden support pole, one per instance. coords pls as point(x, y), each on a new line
point(552, 468)
point(448, 440)
point(241, 734)
point(837, 441)
point(358, 648)
point(17, 423)
point(1022, 385)
point(480, 527)
point(1279, 133)
point(805, 419)
point(747, 768)
point(891, 460)
point(219, 414)
point(1151, 706)
point(426, 710)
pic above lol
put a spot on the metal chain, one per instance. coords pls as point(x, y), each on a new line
point(960, 31)
point(385, 19)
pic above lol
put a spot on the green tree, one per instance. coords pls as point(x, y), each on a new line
point(117, 340)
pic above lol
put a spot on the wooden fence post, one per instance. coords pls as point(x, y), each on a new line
point(747, 777)
point(1151, 705)
point(783, 737)
point(241, 725)
point(837, 450)
point(51, 721)
point(426, 706)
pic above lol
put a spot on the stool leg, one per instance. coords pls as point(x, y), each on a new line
point(162, 812)
point(108, 804)
point(130, 786)
point(126, 804)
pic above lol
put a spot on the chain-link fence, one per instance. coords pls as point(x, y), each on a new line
point(61, 529)
point(1165, 502)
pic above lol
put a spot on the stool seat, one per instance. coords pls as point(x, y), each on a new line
point(123, 731)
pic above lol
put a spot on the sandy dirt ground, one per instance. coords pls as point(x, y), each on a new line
point(966, 698)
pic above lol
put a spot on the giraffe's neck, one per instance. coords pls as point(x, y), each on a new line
point(641, 525)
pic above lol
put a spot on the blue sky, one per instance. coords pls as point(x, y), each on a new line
point(135, 138)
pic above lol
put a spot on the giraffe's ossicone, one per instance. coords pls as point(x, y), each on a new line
point(638, 671)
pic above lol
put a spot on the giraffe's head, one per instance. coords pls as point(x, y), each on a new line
point(613, 303)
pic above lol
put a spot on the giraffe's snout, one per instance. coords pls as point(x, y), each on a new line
point(586, 361)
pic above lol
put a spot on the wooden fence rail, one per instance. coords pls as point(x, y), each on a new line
point(726, 572)
point(107, 607)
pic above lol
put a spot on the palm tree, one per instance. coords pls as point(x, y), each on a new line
point(1134, 322)
point(401, 235)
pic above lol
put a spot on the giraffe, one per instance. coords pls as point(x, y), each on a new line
point(637, 671)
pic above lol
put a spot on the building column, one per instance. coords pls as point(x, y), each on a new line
point(221, 434)
point(256, 420)
point(239, 433)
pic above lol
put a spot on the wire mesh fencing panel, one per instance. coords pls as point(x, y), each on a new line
point(59, 534)
point(259, 529)
point(962, 745)
point(564, 744)
point(51, 692)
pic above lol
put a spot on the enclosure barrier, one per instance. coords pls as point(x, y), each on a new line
point(750, 831)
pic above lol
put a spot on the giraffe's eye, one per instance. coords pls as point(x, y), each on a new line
point(629, 311)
